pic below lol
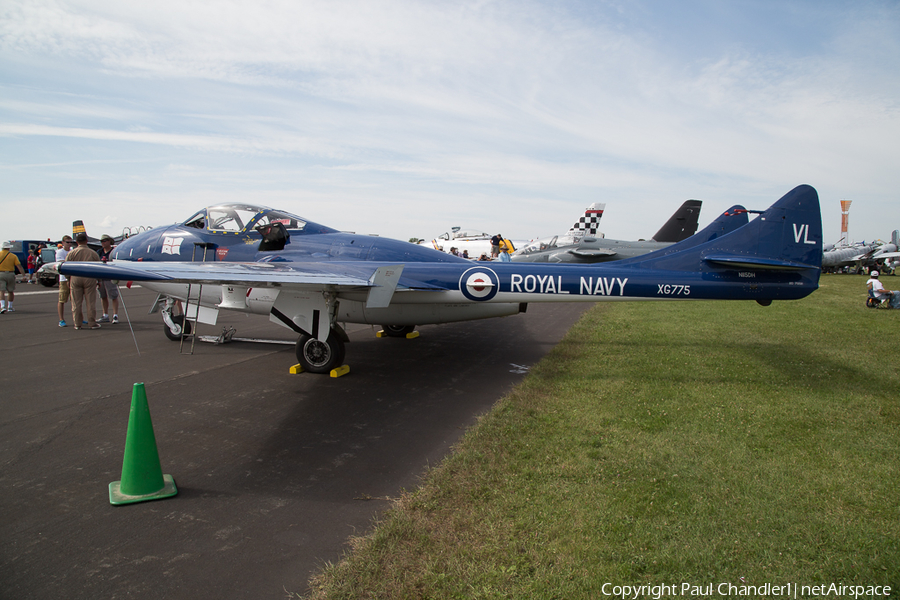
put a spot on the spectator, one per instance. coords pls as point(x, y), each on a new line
point(9, 264)
point(84, 289)
point(32, 265)
point(109, 290)
point(506, 248)
point(495, 245)
point(879, 293)
point(64, 291)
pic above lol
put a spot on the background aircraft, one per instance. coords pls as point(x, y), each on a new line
point(310, 278)
point(473, 241)
point(857, 256)
point(478, 242)
point(578, 247)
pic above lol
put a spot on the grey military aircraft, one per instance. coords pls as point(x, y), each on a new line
point(576, 246)
point(857, 256)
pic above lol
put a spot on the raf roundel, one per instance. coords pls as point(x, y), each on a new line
point(479, 284)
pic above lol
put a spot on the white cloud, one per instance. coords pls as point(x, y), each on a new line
point(435, 109)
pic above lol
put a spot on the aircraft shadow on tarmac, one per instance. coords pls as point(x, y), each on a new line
point(404, 404)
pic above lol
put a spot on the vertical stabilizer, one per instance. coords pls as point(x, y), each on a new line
point(590, 222)
point(786, 237)
point(731, 220)
point(681, 225)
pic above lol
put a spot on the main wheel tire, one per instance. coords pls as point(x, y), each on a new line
point(398, 330)
point(178, 320)
point(320, 357)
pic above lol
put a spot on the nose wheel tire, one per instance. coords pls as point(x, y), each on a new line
point(320, 357)
point(397, 330)
point(48, 281)
point(175, 336)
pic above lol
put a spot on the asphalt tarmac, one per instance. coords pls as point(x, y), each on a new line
point(274, 471)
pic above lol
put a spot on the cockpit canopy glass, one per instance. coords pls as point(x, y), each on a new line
point(236, 218)
point(552, 243)
point(545, 244)
point(461, 234)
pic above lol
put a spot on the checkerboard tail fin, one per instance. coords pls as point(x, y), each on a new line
point(587, 225)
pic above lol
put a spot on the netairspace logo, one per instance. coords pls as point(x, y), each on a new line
point(730, 590)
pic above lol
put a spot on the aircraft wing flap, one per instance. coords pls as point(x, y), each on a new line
point(408, 284)
point(384, 282)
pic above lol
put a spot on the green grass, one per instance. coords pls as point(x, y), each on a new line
point(665, 443)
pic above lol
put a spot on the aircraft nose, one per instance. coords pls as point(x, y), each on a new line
point(135, 246)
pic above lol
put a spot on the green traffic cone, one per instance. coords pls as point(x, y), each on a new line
point(142, 477)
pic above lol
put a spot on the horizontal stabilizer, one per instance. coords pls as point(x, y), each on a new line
point(753, 262)
point(592, 252)
point(731, 220)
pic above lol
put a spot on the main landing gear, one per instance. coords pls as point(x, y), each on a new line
point(320, 357)
point(397, 330)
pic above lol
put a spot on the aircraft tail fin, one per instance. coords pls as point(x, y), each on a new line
point(682, 224)
point(895, 238)
point(731, 220)
point(587, 225)
point(78, 227)
point(785, 237)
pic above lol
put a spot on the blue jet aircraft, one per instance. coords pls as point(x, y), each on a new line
point(310, 278)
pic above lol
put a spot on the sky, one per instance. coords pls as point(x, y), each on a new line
point(405, 118)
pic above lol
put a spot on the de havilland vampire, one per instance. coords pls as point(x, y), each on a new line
point(311, 278)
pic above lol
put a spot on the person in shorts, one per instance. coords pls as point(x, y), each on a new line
point(109, 290)
point(61, 253)
point(31, 262)
point(9, 264)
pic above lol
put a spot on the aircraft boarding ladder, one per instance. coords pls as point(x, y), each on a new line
point(187, 301)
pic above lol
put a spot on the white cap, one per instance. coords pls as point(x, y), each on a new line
point(7, 245)
point(874, 273)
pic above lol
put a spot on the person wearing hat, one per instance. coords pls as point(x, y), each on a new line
point(9, 264)
point(109, 290)
point(877, 290)
point(62, 251)
point(84, 289)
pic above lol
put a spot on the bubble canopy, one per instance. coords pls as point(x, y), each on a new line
point(244, 218)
